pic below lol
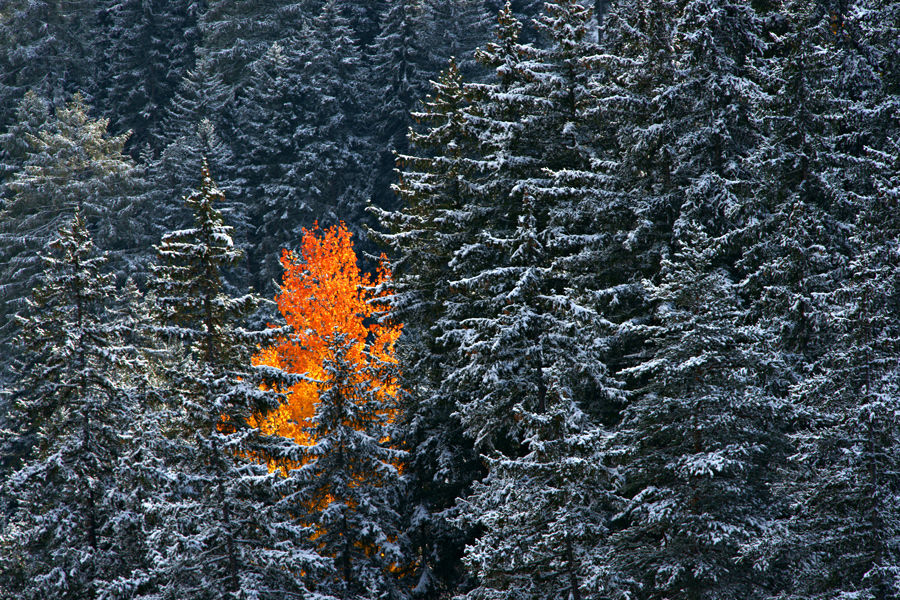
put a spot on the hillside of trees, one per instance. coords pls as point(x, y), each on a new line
point(433, 299)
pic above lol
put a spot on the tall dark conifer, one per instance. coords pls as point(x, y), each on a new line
point(431, 225)
point(147, 47)
point(69, 161)
point(62, 539)
point(219, 532)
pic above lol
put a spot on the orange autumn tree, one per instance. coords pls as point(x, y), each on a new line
point(323, 295)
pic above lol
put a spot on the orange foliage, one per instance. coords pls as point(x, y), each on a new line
point(323, 294)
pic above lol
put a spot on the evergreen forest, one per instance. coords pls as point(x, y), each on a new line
point(449, 299)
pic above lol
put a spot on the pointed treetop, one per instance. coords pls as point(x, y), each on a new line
point(208, 193)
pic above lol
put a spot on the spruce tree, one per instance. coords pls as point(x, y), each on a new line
point(526, 342)
point(321, 139)
point(303, 138)
point(219, 532)
point(840, 540)
point(148, 46)
point(432, 223)
point(527, 317)
point(234, 34)
point(635, 163)
point(270, 114)
point(415, 39)
point(31, 115)
point(348, 483)
point(545, 516)
point(455, 29)
point(45, 46)
point(803, 201)
point(403, 58)
point(63, 540)
point(845, 483)
point(70, 161)
point(703, 435)
point(700, 440)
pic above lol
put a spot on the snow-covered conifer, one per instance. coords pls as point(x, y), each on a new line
point(70, 162)
point(845, 485)
point(147, 48)
point(432, 223)
point(218, 530)
point(45, 46)
point(62, 540)
point(545, 516)
point(304, 138)
point(348, 483)
point(700, 440)
point(526, 339)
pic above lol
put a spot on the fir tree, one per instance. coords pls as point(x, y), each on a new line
point(303, 139)
point(234, 34)
point(32, 114)
point(525, 311)
point(841, 540)
point(270, 114)
point(545, 516)
point(525, 342)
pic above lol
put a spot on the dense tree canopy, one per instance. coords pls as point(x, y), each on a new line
point(644, 254)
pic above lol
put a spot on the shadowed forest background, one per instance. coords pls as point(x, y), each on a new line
point(406, 299)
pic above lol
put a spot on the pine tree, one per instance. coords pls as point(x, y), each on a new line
point(62, 541)
point(219, 530)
